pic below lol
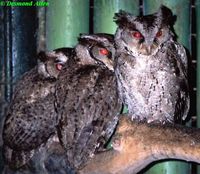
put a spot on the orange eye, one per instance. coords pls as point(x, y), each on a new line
point(159, 33)
point(59, 66)
point(103, 51)
point(137, 35)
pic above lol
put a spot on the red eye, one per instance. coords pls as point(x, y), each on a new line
point(159, 33)
point(103, 51)
point(59, 66)
point(137, 35)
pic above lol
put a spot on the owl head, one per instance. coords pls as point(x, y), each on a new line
point(96, 49)
point(143, 34)
point(50, 63)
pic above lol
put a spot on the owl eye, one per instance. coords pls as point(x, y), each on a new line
point(159, 33)
point(103, 51)
point(59, 66)
point(137, 35)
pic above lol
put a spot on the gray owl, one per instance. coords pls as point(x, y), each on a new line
point(31, 118)
point(151, 68)
point(87, 98)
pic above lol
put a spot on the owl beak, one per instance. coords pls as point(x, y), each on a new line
point(149, 49)
point(146, 49)
point(109, 63)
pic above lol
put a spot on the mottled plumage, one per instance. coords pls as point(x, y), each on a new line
point(87, 99)
point(31, 118)
point(151, 67)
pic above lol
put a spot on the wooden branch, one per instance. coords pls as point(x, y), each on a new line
point(135, 145)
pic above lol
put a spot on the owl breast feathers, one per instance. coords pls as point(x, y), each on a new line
point(151, 68)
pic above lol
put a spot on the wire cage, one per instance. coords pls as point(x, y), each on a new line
point(26, 30)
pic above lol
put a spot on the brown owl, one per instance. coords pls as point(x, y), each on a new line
point(31, 118)
point(151, 67)
point(87, 99)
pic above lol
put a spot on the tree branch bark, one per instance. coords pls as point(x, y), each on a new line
point(135, 145)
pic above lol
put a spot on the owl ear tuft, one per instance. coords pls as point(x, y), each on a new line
point(65, 50)
point(84, 39)
point(42, 56)
point(166, 14)
point(84, 36)
point(96, 38)
point(122, 18)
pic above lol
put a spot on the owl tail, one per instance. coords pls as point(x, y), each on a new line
point(16, 159)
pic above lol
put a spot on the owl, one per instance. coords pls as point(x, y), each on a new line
point(151, 67)
point(87, 100)
point(31, 118)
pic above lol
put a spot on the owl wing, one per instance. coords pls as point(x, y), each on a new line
point(71, 89)
point(182, 56)
point(29, 125)
point(29, 122)
point(26, 84)
point(16, 159)
point(90, 104)
point(183, 102)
